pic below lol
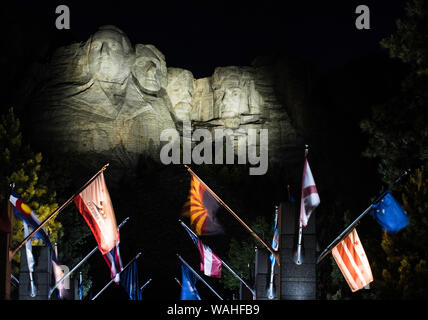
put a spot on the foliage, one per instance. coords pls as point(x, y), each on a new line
point(22, 168)
point(404, 272)
point(398, 139)
point(398, 129)
point(241, 254)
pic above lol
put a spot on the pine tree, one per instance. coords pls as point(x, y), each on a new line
point(21, 168)
point(398, 138)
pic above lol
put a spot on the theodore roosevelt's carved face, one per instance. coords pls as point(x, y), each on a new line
point(109, 55)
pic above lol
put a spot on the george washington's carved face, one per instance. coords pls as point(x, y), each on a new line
point(109, 56)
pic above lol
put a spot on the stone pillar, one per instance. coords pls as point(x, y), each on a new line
point(298, 282)
point(42, 274)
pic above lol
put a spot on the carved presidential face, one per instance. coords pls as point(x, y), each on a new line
point(230, 94)
point(109, 56)
point(149, 69)
point(180, 91)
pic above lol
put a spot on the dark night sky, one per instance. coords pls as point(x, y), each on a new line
point(201, 35)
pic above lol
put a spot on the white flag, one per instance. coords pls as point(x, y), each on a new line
point(310, 198)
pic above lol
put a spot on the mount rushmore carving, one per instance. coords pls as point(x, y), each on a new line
point(108, 97)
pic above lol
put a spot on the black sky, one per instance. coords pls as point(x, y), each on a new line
point(201, 35)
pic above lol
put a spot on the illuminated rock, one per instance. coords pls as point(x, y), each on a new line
point(108, 98)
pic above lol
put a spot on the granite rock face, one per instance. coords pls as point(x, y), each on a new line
point(110, 98)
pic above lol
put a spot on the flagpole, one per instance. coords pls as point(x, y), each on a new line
point(145, 285)
point(80, 263)
point(199, 277)
point(57, 211)
point(298, 255)
point(111, 281)
point(234, 214)
point(355, 222)
point(222, 261)
point(178, 281)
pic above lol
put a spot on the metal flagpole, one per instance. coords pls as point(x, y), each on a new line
point(298, 259)
point(57, 211)
point(222, 261)
point(145, 285)
point(178, 281)
point(235, 215)
point(111, 281)
point(199, 277)
point(354, 223)
point(80, 263)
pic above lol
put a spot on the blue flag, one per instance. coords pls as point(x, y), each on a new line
point(188, 281)
point(129, 280)
point(389, 214)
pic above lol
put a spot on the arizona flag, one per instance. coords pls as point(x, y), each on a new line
point(310, 198)
point(352, 261)
point(95, 205)
point(201, 207)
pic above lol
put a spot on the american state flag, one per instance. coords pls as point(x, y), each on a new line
point(352, 261)
point(201, 208)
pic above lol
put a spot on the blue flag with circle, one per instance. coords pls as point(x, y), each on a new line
point(389, 214)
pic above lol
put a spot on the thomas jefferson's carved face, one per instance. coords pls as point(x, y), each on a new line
point(109, 56)
point(149, 69)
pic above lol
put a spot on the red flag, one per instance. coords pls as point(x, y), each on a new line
point(210, 263)
point(352, 261)
point(201, 207)
point(310, 198)
point(95, 205)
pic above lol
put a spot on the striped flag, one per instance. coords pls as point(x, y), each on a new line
point(95, 205)
point(310, 198)
point(352, 261)
point(210, 262)
point(201, 208)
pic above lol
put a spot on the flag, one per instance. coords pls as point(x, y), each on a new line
point(58, 274)
point(389, 214)
point(309, 198)
point(23, 212)
point(201, 207)
point(114, 262)
point(275, 239)
point(352, 261)
point(275, 245)
point(5, 225)
point(129, 280)
point(95, 205)
point(30, 261)
point(188, 281)
point(210, 262)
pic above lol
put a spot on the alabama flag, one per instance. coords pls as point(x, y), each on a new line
point(210, 263)
point(95, 205)
point(352, 261)
point(310, 198)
